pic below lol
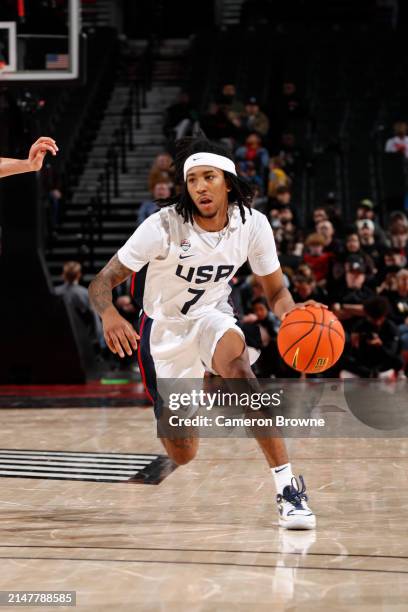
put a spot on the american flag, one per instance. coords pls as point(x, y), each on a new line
point(57, 61)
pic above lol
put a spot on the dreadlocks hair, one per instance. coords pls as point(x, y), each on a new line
point(241, 192)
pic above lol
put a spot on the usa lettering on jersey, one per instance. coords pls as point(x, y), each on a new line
point(204, 274)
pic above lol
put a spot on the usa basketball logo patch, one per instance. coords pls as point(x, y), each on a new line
point(185, 245)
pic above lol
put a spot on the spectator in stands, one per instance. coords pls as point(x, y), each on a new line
point(319, 214)
point(77, 297)
point(268, 362)
point(253, 119)
point(271, 210)
point(316, 258)
point(288, 236)
point(398, 299)
point(326, 212)
point(254, 152)
point(248, 170)
point(331, 243)
point(277, 177)
point(229, 101)
point(274, 205)
point(250, 289)
point(180, 118)
point(283, 197)
point(329, 211)
point(389, 283)
point(399, 142)
point(347, 299)
point(161, 171)
point(366, 210)
point(219, 125)
point(352, 246)
point(369, 244)
point(260, 201)
point(290, 108)
point(161, 191)
point(375, 342)
point(305, 288)
point(392, 262)
point(305, 270)
point(291, 154)
point(288, 224)
point(337, 270)
point(399, 241)
point(398, 220)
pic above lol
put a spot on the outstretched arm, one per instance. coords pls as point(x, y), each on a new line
point(119, 334)
point(34, 160)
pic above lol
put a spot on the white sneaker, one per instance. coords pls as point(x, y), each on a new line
point(294, 513)
point(346, 374)
point(388, 375)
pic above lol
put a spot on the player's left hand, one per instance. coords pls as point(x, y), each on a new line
point(38, 151)
point(302, 306)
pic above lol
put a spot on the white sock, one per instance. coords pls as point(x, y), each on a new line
point(283, 476)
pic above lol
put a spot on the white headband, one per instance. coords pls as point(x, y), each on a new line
point(209, 159)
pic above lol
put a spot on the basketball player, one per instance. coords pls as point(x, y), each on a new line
point(185, 255)
point(34, 160)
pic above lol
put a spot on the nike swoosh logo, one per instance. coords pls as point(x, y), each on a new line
point(281, 470)
point(185, 256)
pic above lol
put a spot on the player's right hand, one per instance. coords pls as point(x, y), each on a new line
point(119, 334)
point(39, 150)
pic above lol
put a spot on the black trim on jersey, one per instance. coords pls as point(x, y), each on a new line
point(146, 364)
point(138, 286)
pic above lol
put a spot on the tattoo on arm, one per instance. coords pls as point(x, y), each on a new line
point(100, 289)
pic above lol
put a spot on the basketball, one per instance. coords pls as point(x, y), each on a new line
point(311, 340)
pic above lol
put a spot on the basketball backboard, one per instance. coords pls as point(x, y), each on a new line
point(39, 41)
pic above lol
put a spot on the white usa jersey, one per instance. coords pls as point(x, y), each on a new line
point(185, 271)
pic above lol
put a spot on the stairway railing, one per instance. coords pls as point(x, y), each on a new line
point(108, 183)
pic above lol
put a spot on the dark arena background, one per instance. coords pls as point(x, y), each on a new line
point(310, 98)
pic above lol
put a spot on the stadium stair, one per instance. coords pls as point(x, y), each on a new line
point(119, 221)
point(230, 12)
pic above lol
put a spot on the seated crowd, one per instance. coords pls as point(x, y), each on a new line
point(358, 269)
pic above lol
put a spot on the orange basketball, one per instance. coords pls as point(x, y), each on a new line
point(311, 340)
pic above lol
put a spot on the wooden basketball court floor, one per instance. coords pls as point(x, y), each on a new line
point(206, 537)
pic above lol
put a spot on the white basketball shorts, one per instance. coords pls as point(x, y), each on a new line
point(181, 349)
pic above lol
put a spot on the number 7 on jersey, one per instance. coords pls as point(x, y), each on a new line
point(197, 294)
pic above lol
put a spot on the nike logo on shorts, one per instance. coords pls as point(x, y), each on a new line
point(185, 256)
